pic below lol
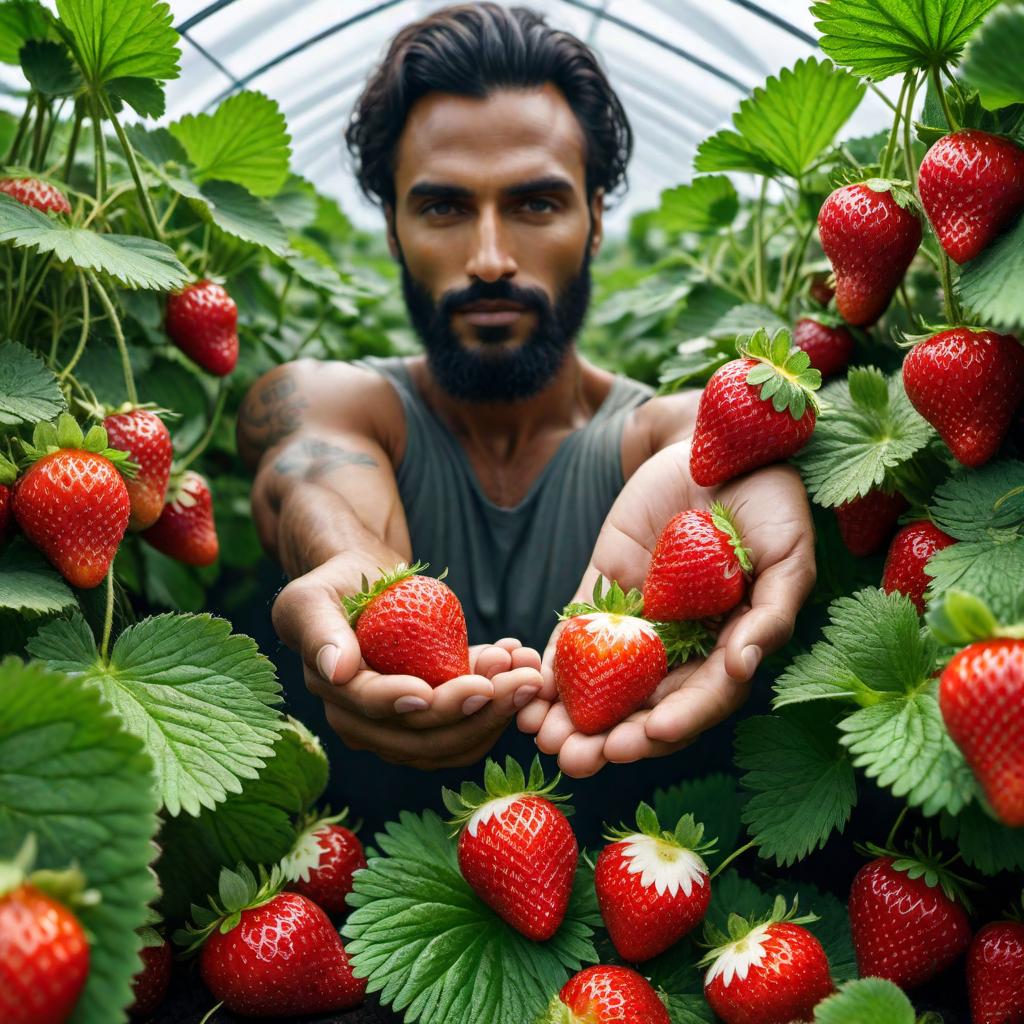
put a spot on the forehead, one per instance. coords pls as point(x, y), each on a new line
point(507, 135)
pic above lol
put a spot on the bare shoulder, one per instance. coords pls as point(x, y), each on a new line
point(657, 423)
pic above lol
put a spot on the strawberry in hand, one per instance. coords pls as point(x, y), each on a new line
point(972, 186)
point(517, 850)
point(202, 320)
point(185, 530)
point(143, 435)
point(771, 971)
point(323, 863)
point(653, 886)
point(870, 233)
point(607, 995)
point(755, 410)
point(411, 624)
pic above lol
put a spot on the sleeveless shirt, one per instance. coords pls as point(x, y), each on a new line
point(513, 569)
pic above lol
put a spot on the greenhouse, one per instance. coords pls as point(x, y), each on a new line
point(512, 513)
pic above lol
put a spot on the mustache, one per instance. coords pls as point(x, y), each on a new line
point(530, 298)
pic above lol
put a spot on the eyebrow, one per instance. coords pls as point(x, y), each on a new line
point(439, 190)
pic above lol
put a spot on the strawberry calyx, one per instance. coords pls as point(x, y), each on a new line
point(500, 785)
point(722, 517)
point(961, 619)
point(304, 856)
point(237, 891)
point(925, 863)
point(8, 471)
point(356, 604)
point(48, 438)
point(684, 640)
point(784, 372)
point(687, 835)
point(743, 934)
point(902, 191)
point(67, 886)
point(928, 331)
point(614, 601)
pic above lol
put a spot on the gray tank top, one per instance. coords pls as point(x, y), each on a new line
point(513, 569)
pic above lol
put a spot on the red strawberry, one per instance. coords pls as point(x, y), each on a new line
point(995, 974)
point(830, 347)
point(149, 987)
point(327, 855)
point(202, 320)
point(39, 194)
point(72, 503)
point(820, 289)
point(697, 569)
point(867, 523)
point(185, 530)
point(972, 186)
point(754, 410)
point(908, 555)
point(607, 995)
point(870, 240)
point(768, 972)
point(981, 694)
point(143, 435)
point(517, 851)
point(408, 624)
point(6, 510)
point(967, 385)
point(653, 887)
point(270, 953)
point(904, 929)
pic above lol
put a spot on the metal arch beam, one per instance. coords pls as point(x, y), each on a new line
point(208, 11)
point(213, 60)
point(777, 21)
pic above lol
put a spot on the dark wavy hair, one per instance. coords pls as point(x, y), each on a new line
point(472, 50)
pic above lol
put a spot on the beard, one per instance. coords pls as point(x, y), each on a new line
point(492, 373)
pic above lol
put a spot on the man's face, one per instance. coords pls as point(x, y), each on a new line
point(494, 236)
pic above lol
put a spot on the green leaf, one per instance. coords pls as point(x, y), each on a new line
point(880, 38)
point(244, 140)
point(989, 285)
point(116, 39)
point(143, 95)
point(992, 62)
point(715, 801)
point(157, 145)
point(202, 699)
point(985, 844)
point(801, 779)
point(29, 392)
point(903, 744)
point(703, 206)
point(133, 261)
point(20, 21)
point(867, 999)
point(439, 956)
point(48, 68)
point(28, 583)
point(729, 151)
point(238, 212)
point(866, 429)
point(690, 1009)
point(71, 776)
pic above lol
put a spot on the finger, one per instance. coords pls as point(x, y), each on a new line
point(373, 695)
point(308, 616)
point(629, 742)
point(582, 756)
point(514, 689)
point(531, 718)
point(452, 702)
point(526, 657)
point(490, 659)
point(557, 728)
point(510, 643)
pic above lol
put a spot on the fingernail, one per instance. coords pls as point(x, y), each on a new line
point(474, 703)
point(327, 661)
point(405, 704)
point(523, 695)
point(751, 658)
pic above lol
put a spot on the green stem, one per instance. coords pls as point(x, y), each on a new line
point(201, 445)
point(313, 331)
point(760, 285)
point(881, 95)
point(19, 298)
point(908, 117)
point(108, 615)
point(100, 147)
point(284, 294)
point(165, 219)
point(732, 856)
point(944, 100)
point(19, 135)
point(76, 131)
point(115, 323)
point(50, 128)
point(204, 256)
point(37, 133)
point(29, 294)
point(794, 281)
point(133, 165)
point(890, 148)
point(83, 337)
point(895, 828)
point(715, 279)
point(950, 305)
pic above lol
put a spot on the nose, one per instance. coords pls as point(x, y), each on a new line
point(490, 259)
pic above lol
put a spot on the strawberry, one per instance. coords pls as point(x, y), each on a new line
point(870, 234)
point(607, 995)
point(270, 953)
point(44, 952)
point(143, 435)
point(820, 290)
point(971, 185)
point(967, 384)
point(653, 886)
point(981, 695)
point(72, 503)
point(755, 410)
point(867, 523)
point(517, 851)
point(185, 530)
point(35, 193)
point(6, 510)
point(995, 974)
point(202, 320)
point(830, 346)
point(907, 926)
point(149, 987)
point(771, 971)
point(908, 555)
point(325, 858)
point(698, 567)
point(409, 624)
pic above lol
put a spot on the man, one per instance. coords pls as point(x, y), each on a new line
point(491, 141)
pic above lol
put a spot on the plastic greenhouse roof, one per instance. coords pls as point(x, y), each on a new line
point(679, 66)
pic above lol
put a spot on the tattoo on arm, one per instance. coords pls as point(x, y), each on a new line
point(310, 459)
point(272, 413)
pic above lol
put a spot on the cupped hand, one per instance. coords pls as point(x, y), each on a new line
point(772, 514)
